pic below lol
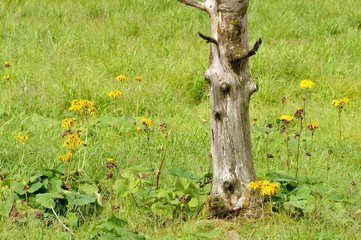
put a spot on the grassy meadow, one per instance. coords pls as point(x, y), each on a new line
point(54, 52)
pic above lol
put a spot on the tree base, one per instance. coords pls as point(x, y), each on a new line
point(253, 211)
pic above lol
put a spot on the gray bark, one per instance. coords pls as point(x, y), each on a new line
point(231, 87)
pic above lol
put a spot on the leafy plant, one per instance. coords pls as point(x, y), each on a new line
point(304, 197)
point(179, 200)
point(114, 228)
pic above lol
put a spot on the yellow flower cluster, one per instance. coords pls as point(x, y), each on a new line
point(147, 122)
point(66, 157)
point(22, 137)
point(115, 94)
point(265, 187)
point(340, 102)
point(68, 122)
point(286, 118)
point(312, 126)
point(73, 141)
point(83, 106)
point(306, 84)
point(121, 78)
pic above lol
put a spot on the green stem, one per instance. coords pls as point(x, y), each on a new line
point(339, 124)
point(327, 168)
point(304, 108)
point(161, 165)
point(148, 141)
point(267, 160)
point(22, 154)
point(68, 171)
point(27, 214)
point(85, 148)
point(123, 105)
point(298, 149)
point(287, 153)
point(115, 106)
point(311, 150)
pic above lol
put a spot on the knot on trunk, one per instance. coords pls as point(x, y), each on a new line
point(225, 86)
point(217, 113)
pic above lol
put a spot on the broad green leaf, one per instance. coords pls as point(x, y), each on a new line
point(36, 176)
point(75, 198)
point(5, 207)
point(117, 221)
point(134, 170)
point(55, 185)
point(72, 219)
point(335, 196)
point(193, 203)
point(303, 192)
point(163, 193)
point(116, 226)
point(134, 184)
point(121, 187)
point(296, 203)
point(181, 172)
point(174, 202)
point(309, 208)
point(47, 199)
point(161, 209)
point(34, 187)
point(207, 188)
point(182, 184)
point(88, 188)
point(18, 187)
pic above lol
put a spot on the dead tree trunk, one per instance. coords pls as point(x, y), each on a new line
point(231, 87)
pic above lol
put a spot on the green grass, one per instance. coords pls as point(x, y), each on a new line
point(64, 50)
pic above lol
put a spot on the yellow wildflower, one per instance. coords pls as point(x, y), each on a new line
point(344, 100)
point(22, 137)
point(306, 84)
point(66, 157)
point(253, 185)
point(138, 78)
point(265, 187)
point(312, 126)
point(25, 184)
point(286, 118)
point(6, 77)
point(73, 141)
point(138, 129)
point(83, 106)
point(110, 159)
point(299, 113)
point(147, 122)
point(7, 64)
point(68, 122)
point(115, 94)
point(340, 102)
point(121, 78)
point(269, 189)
